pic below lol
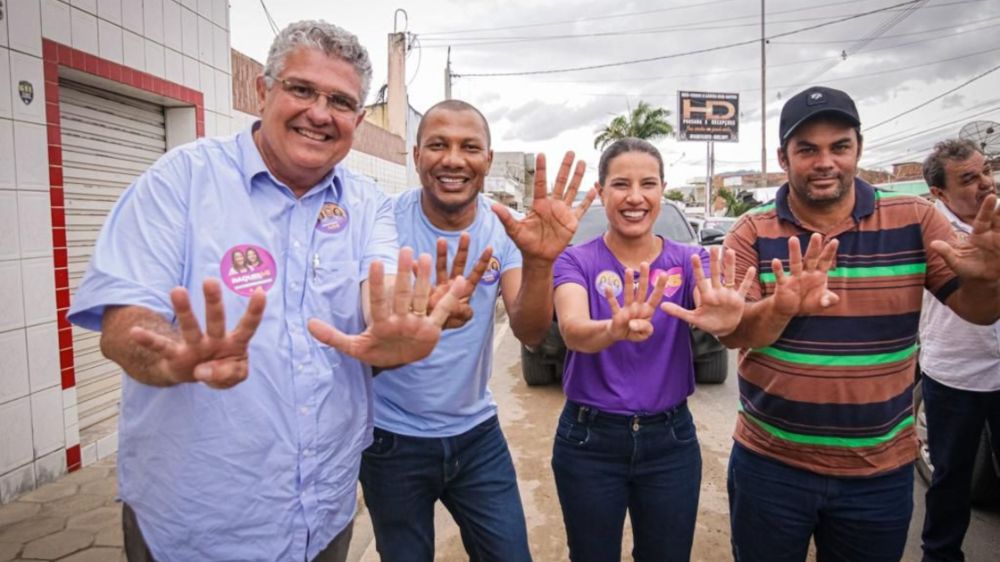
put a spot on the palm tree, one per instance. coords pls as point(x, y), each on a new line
point(736, 204)
point(643, 122)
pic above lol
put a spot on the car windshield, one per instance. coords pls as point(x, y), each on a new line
point(670, 224)
point(720, 225)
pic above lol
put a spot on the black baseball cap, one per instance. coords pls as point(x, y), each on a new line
point(811, 102)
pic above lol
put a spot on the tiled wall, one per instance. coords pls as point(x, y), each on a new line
point(177, 43)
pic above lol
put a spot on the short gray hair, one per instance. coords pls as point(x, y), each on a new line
point(330, 39)
point(951, 149)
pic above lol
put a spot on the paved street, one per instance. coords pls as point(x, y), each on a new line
point(77, 519)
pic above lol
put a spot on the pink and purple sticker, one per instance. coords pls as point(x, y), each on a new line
point(492, 273)
point(675, 279)
point(608, 278)
point(332, 218)
point(246, 267)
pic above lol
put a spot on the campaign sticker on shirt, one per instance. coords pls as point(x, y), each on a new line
point(246, 267)
point(332, 218)
point(608, 278)
point(492, 273)
point(675, 278)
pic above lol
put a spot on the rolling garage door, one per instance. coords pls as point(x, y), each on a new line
point(107, 140)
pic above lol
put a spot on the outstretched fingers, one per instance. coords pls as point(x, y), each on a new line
point(422, 286)
point(588, 199)
point(327, 334)
point(574, 183)
point(158, 344)
point(402, 295)
point(659, 286)
point(215, 312)
point(748, 280)
point(377, 299)
point(479, 269)
point(563, 176)
point(541, 189)
point(461, 256)
point(251, 318)
point(186, 320)
point(450, 301)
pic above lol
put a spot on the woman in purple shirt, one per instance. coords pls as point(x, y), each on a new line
point(626, 441)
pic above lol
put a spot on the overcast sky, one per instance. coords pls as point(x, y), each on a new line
point(890, 62)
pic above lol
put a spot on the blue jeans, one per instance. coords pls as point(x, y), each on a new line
point(473, 476)
point(607, 464)
point(955, 420)
point(774, 510)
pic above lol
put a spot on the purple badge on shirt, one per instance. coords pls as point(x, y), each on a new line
point(332, 218)
point(675, 279)
point(492, 273)
point(608, 278)
point(246, 267)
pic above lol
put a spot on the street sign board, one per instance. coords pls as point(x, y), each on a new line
point(708, 116)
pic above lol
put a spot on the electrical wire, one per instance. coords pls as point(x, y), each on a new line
point(933, 99)
point(270, 20)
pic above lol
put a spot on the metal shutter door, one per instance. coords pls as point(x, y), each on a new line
point(107, 140)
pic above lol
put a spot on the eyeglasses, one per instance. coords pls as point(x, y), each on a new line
point(336, 102)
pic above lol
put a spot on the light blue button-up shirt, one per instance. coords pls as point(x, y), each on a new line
point(266, 470)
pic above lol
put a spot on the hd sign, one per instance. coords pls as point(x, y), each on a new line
point(706, 116)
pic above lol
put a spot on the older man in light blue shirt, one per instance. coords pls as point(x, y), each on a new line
point(243, 442)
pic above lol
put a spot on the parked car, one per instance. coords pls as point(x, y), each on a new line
point(544, 364)
point(985, 471)
point(714, 229)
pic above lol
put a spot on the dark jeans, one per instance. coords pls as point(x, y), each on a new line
point(649, 466)
point(775, 509)
point(955, 420)
point(473, 476)
point(136, 549)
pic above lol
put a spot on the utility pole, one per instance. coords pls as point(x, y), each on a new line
point(763, 100)
point(447, 77)
point(709, 172)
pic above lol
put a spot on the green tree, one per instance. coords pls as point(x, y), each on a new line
point(736, 204)
point(643, 122)
point(674, 195)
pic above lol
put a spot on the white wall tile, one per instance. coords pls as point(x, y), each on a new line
point(24, 26)
point(134, 51)
point(69, 397)
point(172, 33)
point(173, 67)
point(220, 13)
point(107, 446)
point(189, 33)
point(10, 247)
point(223, 92)
point(109, 38)
point(27, 67)
point(71, 416)
point(88, 454)
point(207, 82)
point(192, 73)
point(220, 44)
point(3, 32)
point(5, 87)
point(132, 15)
point(206, 45)
point(14, 379)
point(8, 180)
point(38, 286)
point(152, 12)
point(154, 58)
point(34, 210)
point(50, 467)
point(11, 299)
point(205, 9)
point(86, 5)
point(85, 32)
point(17, 482)
point(15, 439)
point(55, 21)
point(31, 158)
point(72, 433)
point(43, 356)
point(47, 426)
point(110, 10)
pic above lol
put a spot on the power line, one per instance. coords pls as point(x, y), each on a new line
point(935, 98)
point(270, 20)
point(688, 53)
point(957, 29)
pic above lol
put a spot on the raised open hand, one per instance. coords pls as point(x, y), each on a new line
point(462, 312)
point(718, 303)
point(552, 220)
point(632, 320)
point(401, 331)
point(214, 357)
point(978, 255)
point(805, 291)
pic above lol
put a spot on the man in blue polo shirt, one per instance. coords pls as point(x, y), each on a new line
point(245, 444)
point(437, 436)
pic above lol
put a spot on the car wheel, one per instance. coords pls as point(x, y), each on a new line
point(924, 466)
point(985, 473)
point(535, 371)
point(712, 368)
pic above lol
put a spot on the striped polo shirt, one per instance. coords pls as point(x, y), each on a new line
point(833, 395)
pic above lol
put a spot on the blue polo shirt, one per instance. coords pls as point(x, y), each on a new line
point(446, 393)
point(266, 470)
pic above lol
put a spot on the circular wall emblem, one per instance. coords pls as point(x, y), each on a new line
point(246, 267)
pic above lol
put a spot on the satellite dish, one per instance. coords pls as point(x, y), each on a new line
point(986, 135)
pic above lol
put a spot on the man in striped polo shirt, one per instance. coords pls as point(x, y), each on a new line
point(824, 440)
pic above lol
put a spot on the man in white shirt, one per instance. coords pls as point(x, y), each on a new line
point(960, 362)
